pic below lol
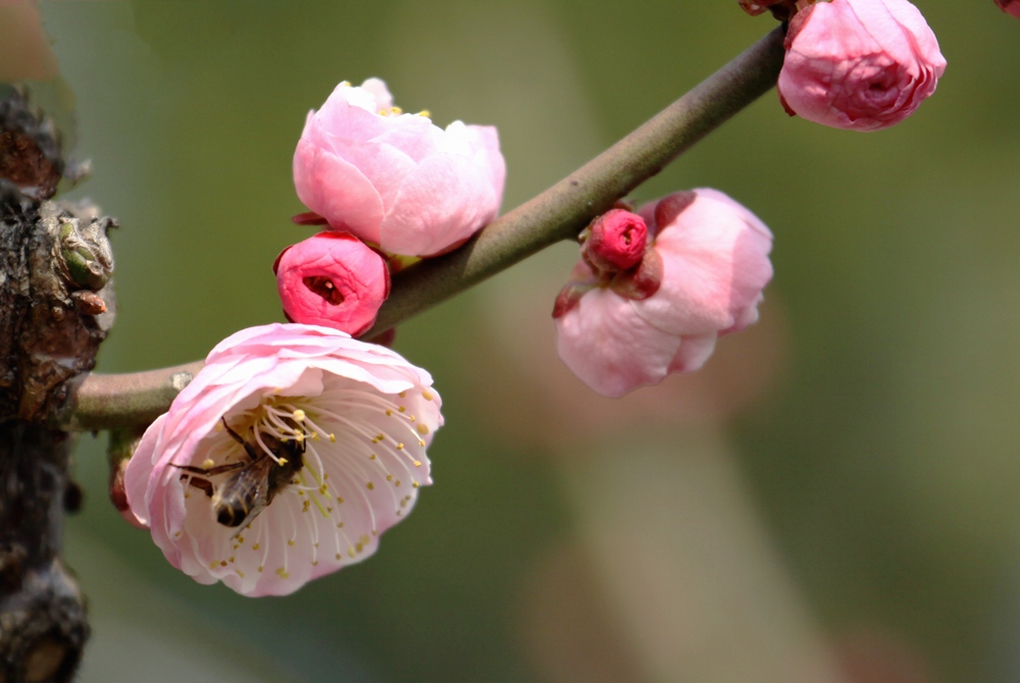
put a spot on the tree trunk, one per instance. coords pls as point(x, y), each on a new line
point(56, 306)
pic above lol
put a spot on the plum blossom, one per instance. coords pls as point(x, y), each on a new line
point(285, 458)
point(397, 180)
point(701, 277)
point(859, 64)
point(332, 279)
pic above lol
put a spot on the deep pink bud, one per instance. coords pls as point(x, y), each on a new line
point(1009, 7)
point(615, 241)
point(332, 279)
point(859, 64)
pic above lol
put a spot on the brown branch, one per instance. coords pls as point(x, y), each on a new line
point(559, 213)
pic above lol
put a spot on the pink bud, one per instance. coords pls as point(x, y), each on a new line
point(1009, 7)
point(615, 241)
point(710, 265)
point(395, 179)
point(859, 64)
point(332, 279)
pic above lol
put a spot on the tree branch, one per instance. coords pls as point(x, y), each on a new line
point(559, 213)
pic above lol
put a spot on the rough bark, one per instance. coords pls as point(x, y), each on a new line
point(56, 306)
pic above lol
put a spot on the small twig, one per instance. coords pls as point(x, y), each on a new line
point(559, 213)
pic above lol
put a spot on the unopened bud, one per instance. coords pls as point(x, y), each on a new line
point(615, 241)
point(85, 252)
point(1009, 7)
point(332, 279)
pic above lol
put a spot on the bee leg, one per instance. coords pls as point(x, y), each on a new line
point(248, 448)
point(202, 484)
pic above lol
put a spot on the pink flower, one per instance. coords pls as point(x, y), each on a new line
point(709, 260)
point(1009, 7)
point(859, 64)
point(397, 180)
point(285, 458)
point(332, 279)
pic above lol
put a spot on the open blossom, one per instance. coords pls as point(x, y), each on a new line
point(285, 458)
point(397, 180)
point(702, 276)
point(859, 64)
point(332, 279)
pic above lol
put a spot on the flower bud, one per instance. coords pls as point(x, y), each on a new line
point(1009, 7)
point(85, 252)
point(859, 64)
point(615, 241)
point(332, 279)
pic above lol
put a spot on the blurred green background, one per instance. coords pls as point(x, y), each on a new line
point(833, 499)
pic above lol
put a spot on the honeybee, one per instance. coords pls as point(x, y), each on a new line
point(251, 485)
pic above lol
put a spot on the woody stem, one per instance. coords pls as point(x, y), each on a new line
point(559, 213)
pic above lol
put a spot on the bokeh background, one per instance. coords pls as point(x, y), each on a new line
point(834, 498)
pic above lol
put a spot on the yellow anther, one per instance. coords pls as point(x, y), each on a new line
point(389, 477)
point(212, 565)
point(232, 558)
point(402, 409)
point(427, 395)
point(425, 113)
point(255, 547)
point(396, 483)
point(315, 563)
point(402, 394)
point(389, 413)
point(339, 525)
point(207, 463)
point(240, 539)
point(372, 457)
point(339, 556)
point(261, 568)
point(345, 84)
point(223, 563)
point(396, 111)
point(422, 428)
point(332, 438)
point(371, 486)
point(400, 446)
point(290, 541)
point(350, 551)
point(240, 573)
point(298, 415)
point(414, 484)
point(282, 573)
point(282, 461)
point(417, 463)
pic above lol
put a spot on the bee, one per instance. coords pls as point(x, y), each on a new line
point(252, 484)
